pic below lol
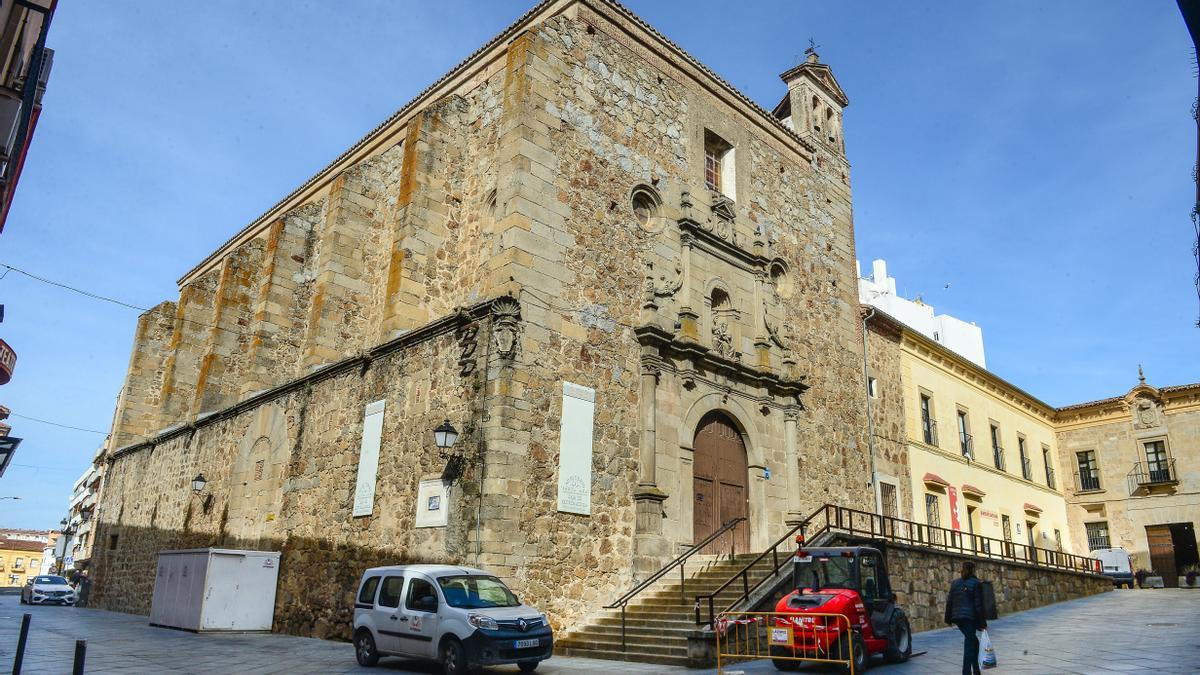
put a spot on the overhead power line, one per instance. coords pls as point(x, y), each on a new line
point(57, 424)
point(104, 298)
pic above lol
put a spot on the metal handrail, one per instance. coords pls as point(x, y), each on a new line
point(679, 562)
point(890, 528)
point(998, 457)
point(1050, 482)
point(1026, 468)
point(929, 430)
point(742, 574)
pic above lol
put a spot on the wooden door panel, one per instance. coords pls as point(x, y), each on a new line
point(704, 506)
point(720, 473)
point(1162, 553)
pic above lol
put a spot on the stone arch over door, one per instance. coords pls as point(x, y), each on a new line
point(720, 483)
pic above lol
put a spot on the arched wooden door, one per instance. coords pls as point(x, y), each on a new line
point(719, 480)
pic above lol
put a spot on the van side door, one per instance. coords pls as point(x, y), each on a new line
point(387, 615)
point(419, 618)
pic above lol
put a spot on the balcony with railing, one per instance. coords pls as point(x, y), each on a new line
point(1050, 482)
point(929, 430)
point(1087, 480)
point(998, 457)
point(1147, 475)
point(1026, 468)
point(966, 445)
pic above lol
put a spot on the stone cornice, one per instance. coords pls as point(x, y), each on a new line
point(446, 324)
point(935, 450)
point(705, 360)
point(960, 368)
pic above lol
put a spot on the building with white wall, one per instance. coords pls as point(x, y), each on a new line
point(879, 291)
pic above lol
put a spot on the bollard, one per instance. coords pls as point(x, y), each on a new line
point(21, 644)
point(80, 653)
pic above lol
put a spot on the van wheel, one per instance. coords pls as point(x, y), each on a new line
point(900, 641)
point(364, 649)
point(528, 666)
point(454, 658)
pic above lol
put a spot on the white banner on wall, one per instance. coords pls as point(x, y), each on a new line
point(575, 450)
point(368, 460)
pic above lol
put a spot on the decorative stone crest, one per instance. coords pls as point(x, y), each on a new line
point(506, 327)
point(662, 286)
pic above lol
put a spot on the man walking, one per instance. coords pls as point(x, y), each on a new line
point(964, 608)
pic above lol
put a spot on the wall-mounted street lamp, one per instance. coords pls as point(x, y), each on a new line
point(444, 438)
point(198, 483)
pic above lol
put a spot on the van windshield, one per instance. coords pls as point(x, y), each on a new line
point(476, 592)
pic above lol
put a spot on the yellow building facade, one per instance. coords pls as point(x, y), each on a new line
point(19, 560)
point(981, 452)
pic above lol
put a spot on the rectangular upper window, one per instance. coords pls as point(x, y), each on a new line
point(718, 164)
point(928, 425)
point(1088, 476)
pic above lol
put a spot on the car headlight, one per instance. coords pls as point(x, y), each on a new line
point(545, 620)
point(481, 621)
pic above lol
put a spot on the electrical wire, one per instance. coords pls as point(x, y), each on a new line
point(57, 424)
point(104, 298)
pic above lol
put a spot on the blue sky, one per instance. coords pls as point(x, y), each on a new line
point(1035, 156)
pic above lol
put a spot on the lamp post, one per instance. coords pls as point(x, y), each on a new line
point(198, 483)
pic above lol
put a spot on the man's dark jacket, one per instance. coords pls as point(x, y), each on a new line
point(965, 601)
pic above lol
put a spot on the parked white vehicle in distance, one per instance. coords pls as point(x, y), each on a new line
point(45, 589)
point(460, 616)
point(1115, 564)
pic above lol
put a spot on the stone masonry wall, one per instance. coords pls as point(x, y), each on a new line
point(887, 412)
point(921, 578)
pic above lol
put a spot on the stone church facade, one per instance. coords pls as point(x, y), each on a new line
point(581, 247)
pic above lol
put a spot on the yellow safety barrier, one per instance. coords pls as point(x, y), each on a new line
point(786, 637)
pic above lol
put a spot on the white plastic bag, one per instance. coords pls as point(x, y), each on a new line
point(987, 653)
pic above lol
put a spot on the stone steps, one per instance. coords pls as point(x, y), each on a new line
point(659, 620)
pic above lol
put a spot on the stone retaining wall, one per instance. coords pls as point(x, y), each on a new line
point(921, 577)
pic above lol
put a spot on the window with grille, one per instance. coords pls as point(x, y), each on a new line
point(1026, 466)
point(1006, 525)
point(964, 437)
point(933, 515)
point(1097, 535)
point(1089, 475)
point(712, 169)
point(887, 498)
point(258, 469)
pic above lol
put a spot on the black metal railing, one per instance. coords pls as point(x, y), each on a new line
point(998, 457)
point(679, 562)
point(1050, 483)
point(929, 428)
point(1087, 480)
point(966, 445)
point(1026, 468)
point(1145, 474)
point(833, 518)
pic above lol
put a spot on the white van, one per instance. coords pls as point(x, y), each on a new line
point(460, 616)
point(1115, 564)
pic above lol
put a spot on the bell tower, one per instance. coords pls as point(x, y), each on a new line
point(814, 103)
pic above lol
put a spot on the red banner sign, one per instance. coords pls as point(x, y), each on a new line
point(954, 509)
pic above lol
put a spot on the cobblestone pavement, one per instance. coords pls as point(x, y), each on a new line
point(1122, 631)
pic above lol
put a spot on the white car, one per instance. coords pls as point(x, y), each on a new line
point(462, 617)
point(46, 589)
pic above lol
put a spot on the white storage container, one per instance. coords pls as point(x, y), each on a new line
point(215, 589)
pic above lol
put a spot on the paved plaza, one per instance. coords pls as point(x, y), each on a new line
point(1122, 631)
